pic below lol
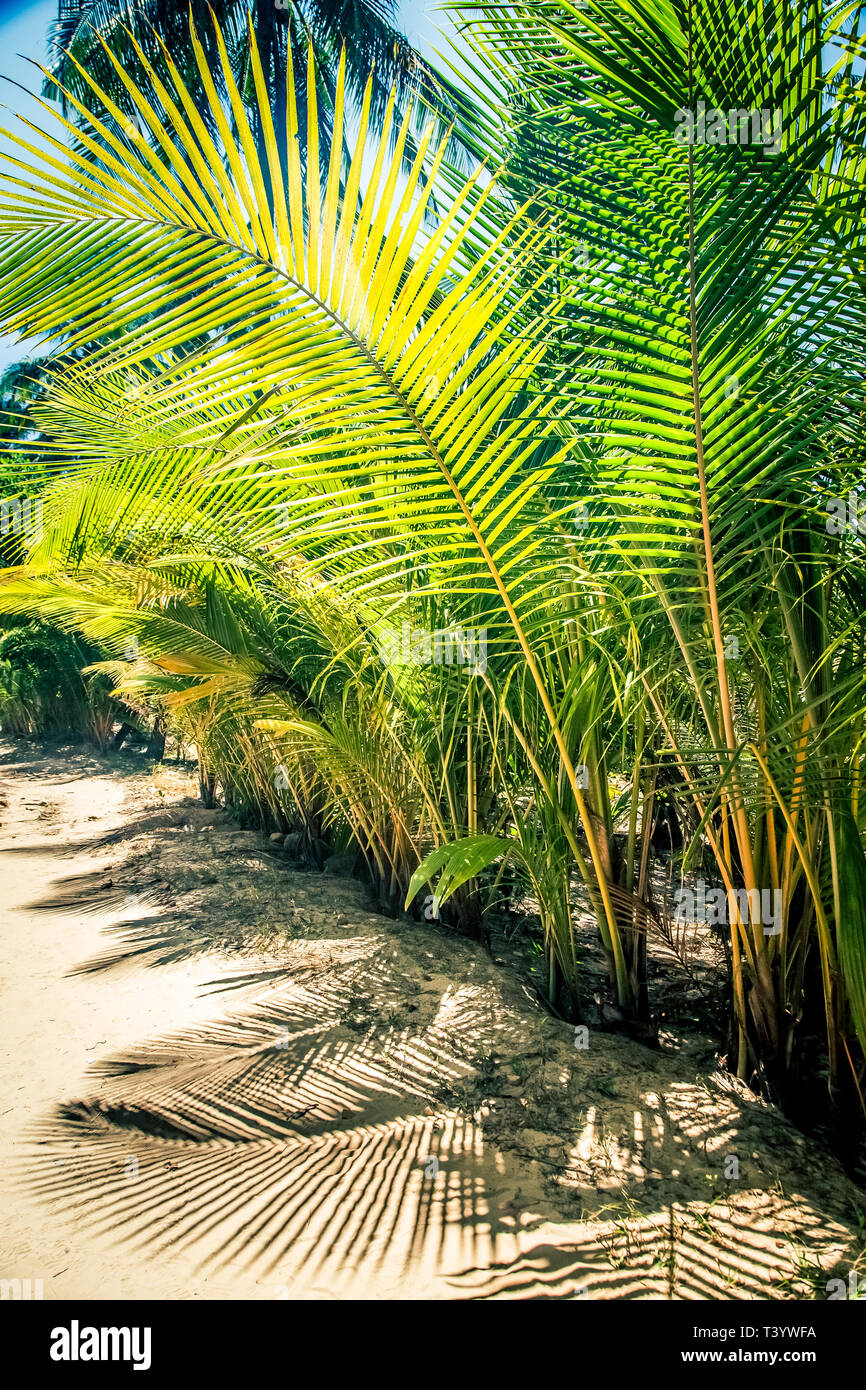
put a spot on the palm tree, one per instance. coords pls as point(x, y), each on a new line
point(711, 338)
point(364, 33)
point(312, 416)
point(370, 308)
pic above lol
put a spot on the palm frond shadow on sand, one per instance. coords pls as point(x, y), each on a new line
point(96, 891)
point(330, 1134)
point(271, 1137)
point(679, 1252)
point(282, 1143)
point(138, 890)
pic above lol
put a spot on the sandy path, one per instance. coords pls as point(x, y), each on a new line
point(272, 1091)
point(55, 1024)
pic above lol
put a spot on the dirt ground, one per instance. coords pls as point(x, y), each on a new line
point(223, 1078)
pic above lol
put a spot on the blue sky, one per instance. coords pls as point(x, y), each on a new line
point(23, 27)
point(23, 24)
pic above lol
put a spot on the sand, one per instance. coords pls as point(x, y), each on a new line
point(221, 1077)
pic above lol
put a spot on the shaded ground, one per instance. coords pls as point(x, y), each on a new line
point(225, 1078)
